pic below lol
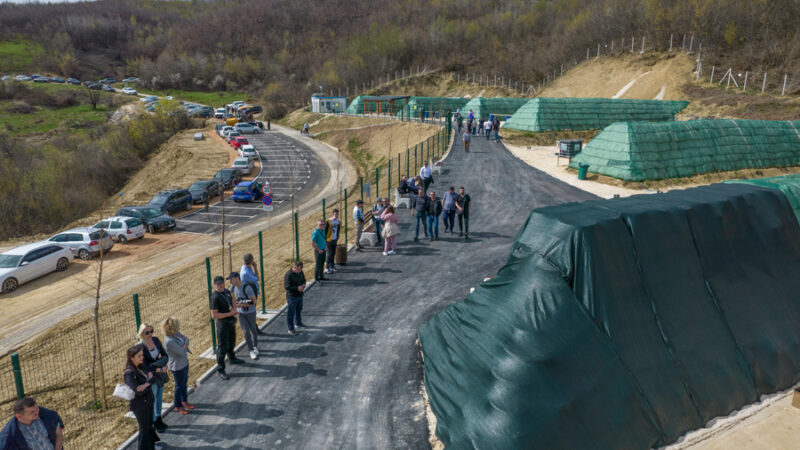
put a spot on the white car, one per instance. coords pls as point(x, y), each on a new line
point(28, 262)
point(246, 128)
point(225, 130)
point(245, 165)
point(219, 113)
point(129, 91)
point(122, 229)
point(248, 151)
point(148, 99)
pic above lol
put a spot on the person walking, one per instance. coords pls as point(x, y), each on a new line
point(249, 274)
point(332, 226)
point(358, 218)
point(463, 209)
point(467, 138)
point(139, 379)
point(225, 314)
point(434, 211)
point(177, 346)
point(245, 296)
point(155, 359)
point(377, 210)
point(32, 427)
point(427, 176)
point(480, 127)
point(449, 210)
point(488, 126)
point(294, 282)
point(390, 231)
point(419, 208)
point(319, 244)
point(496, 128)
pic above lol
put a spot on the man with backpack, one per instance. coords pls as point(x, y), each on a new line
point(245, 295)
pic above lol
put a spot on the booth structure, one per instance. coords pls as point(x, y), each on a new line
point(321, 103)
point(378, 104)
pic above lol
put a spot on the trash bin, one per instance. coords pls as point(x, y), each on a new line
point(582, 169)
point(341, 255)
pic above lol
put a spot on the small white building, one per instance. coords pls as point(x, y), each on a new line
point(321, 103)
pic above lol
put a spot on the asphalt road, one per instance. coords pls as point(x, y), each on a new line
point(352, 379)
point(286, 163)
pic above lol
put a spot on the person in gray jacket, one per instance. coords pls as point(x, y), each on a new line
point(177, 346)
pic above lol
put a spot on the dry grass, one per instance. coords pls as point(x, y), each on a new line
point(545, 138)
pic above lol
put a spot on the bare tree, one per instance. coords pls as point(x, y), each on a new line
point(93, 97)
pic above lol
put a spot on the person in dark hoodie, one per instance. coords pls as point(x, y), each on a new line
point(32, 427)
point(156, 359)
point(139, 378)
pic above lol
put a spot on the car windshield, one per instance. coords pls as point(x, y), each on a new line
point(241, 189)
point(198, 186)
point(160, 198)
point(150, 213)
point(9, 261)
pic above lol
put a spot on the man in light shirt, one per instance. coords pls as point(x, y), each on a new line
point(426, 175)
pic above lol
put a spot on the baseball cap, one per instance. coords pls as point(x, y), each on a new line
point(232, 275)
point(218, 280)
point(359, 202)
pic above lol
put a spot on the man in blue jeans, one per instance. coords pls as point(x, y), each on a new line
point(434, 210)
point(419, 207)
point(295, 284)
point(449, 206)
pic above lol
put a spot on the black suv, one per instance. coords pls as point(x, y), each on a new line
point(202, 190)
point(171, 201)
point(228, 177)
point(154, 220)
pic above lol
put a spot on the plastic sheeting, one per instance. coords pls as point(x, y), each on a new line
point(622, 323)
point(788, 184)
point(483, 107)
point(639, 151)
point(544, 114)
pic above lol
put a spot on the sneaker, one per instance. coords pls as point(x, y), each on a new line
point(327, 271)
point(257, 352)
point(385, 253)
point(293, 333)
point(222, 375)
point(235, 361)
point(301, 325)
point(187, 405)
point(392, 252)
point(253, 354)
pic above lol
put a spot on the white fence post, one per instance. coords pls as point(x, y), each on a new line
point(670, 42)
point(764, 83)
point(783, 91)
point(683, 45)
point(598, 50)
point(643, 37)
point(744, 86)
point(691, 41)
point(711, 80)
point(631, 44)
point(587, 54)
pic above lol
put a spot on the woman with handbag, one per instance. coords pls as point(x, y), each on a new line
point(138, 379)
point(390, 230)
point(155, 359)
point(178, 350)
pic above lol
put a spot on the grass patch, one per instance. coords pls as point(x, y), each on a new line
point(544, 138)
point(42, 120)
point(18, 54)
point(214, 99)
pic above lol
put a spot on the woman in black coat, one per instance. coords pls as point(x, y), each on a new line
point(138, 378)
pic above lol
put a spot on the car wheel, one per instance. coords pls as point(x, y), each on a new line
point(122, 239)
point(188, 206)
point(62, 264)
point(151, 229)
point(10, 285)
point(84, 254)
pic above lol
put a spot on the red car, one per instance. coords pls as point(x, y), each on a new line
point(238, 141)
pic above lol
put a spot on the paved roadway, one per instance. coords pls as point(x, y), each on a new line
point(352, 380)
point(286, 163)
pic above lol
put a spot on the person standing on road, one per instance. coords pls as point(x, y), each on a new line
point(139, 379)
point(249, 274)
point(331, 239)
point(434, 211)
point(225, 314)
point(449, 207)
point(488, 126)
point(377, 210)
point(467, 138)
point(480, 127)
point(427, 176)
point(358, 218)
point(155, 359)
point(463, 209)
point(32, 427)
point(419, 208)
point(245, 295)
point(177, 346)
point(320, 245)
point(294, 282)
point(390, 231)
point(496, 128)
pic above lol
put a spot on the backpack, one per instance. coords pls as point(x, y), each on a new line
point(252, 285)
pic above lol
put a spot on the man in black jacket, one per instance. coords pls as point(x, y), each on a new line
point(225, 314)
point(32, 427)
point(419, 208)
point(434, 210)
point(295, 283)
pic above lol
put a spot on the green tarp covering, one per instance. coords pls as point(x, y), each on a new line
point(359, 106)
point(622, 324)
point(544, 114)
point(788, 184)
point(483, 107)
point(432, 105)
point(639, 151)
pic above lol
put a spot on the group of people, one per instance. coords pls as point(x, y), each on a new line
point(480, 127)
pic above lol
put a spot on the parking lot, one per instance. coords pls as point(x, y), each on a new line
point(286, 163)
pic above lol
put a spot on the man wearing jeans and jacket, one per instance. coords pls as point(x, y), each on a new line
point(419, 207)
point(294, 282)
point(449, 207)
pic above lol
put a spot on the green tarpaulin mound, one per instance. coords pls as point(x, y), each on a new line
point(370, 104)
point(788, 184)
point(622, 323)
point(433, 105)
point(546, 114)
point(638, 151)
point(483, 107)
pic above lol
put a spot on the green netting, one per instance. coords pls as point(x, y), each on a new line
point(788, 184)
point(543, 114)
point(483, 107)
point(359, 106)
point(434, 104)
point(638, 151)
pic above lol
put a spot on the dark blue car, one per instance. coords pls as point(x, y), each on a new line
point(247, 191)
point(171, 201)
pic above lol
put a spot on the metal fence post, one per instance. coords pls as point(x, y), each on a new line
point(377, 174)
point(361, 185)
point(17, 375)
point(389, 178)
point(346, 218)
point(324, 211)
point(213, 325)
point(415, 159)
point(136, 311)
point(408, 161)
point(261, 269)
point(296, 239)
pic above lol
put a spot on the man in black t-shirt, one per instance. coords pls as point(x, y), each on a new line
point(463, 209)
point(224, 313)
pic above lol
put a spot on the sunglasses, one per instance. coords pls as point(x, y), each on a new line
point(148, 332)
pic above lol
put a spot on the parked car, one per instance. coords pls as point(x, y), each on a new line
point(150, 107)
point(245, 165)
point(248, 151)
point(129, 91)
point(108, 80)
point(225, 130)
point(94, 86)
point(219, 127)
point(5, 77)
point(219, 113)
point(201, 190)
point(247, 191)
point(154, 220)
point(171, 201)
point(148, 99)
point(28, 262)
point(22, 78)
point(228, 177)
point(230, 135)
point(122, 229)
point(258, 124)
point(84, 242)
point(57, 80)
point(108, 88)
point(74, 81)
point(131, 80)
point(41, 79)
point(246, 128)
point(239, 141)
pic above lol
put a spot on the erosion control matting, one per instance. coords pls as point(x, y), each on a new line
point(622, 323)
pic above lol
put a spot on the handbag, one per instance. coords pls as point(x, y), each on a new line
point(124, 392)
point(390, 229)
